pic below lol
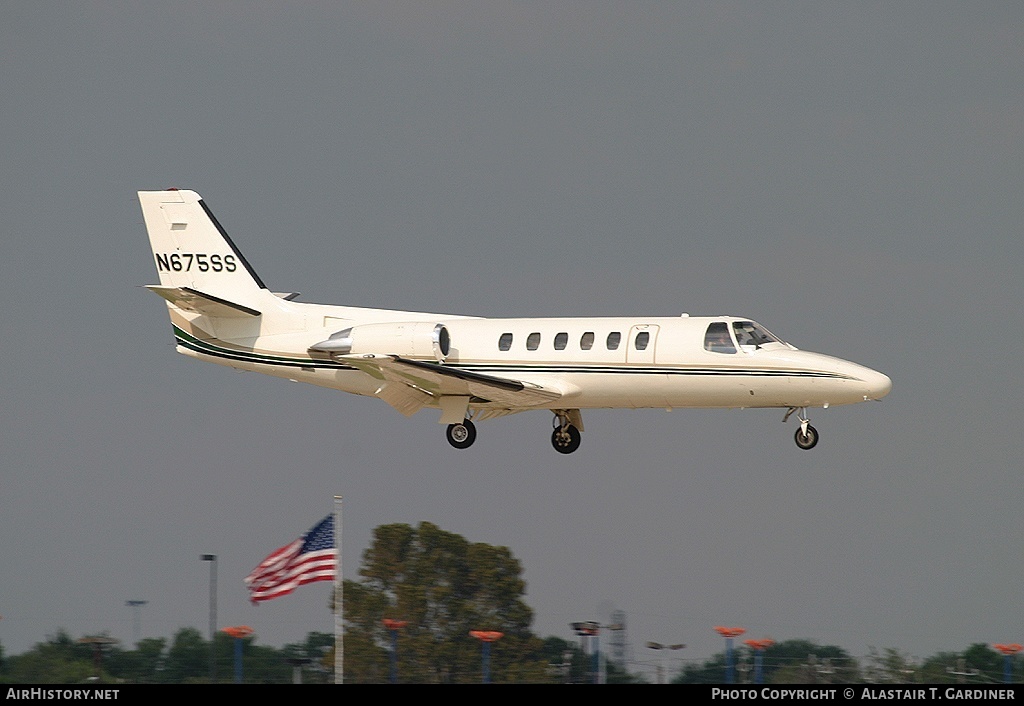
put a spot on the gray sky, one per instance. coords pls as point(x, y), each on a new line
point(848, 174)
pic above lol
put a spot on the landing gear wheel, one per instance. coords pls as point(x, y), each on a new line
point(461, 436)
point(565, 439)
point(808, 440)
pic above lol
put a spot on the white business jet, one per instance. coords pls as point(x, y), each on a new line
point(470, 368)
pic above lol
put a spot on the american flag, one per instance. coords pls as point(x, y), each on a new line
point(309, 558)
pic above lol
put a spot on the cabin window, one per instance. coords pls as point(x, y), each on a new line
point(505, 342)
point(533, 341)
point(587, 341)
point(641, 341)
point(613, 340)
point(561, 339)
point(717, 338)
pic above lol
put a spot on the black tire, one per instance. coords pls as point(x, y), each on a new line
point(461, 436)
point(808, 440)
point(566, 442)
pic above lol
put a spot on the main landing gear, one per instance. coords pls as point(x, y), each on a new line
point(461, 435)
point(565, 438)
point(806, 436)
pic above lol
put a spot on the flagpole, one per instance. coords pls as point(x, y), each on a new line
point(339, 600)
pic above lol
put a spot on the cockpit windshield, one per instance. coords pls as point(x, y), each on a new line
point(748, 335)
point(751, 336)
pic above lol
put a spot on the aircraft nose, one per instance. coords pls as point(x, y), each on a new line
point(878, 385)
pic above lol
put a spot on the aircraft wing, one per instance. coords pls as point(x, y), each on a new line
point(410, 384)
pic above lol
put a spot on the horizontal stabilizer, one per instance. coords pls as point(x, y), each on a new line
point(195, 301)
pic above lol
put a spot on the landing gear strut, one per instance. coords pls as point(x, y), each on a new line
point(462, 435)
point(806, 436)
point(566, 437)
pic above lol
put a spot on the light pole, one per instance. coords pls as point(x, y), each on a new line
point(212, 558)
point(729, 634)
point(239, 632)
point(661, 657)
point(393, 626)
point(590, 629)
point(759, 646)
point(1008, 652)
point(297, 663)
point(99, 643)
point(486, 637)
point(136, 619)
point(616, 627)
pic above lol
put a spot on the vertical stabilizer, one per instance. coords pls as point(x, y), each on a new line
point(191, 249)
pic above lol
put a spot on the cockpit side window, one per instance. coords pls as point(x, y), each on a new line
point(717, 338)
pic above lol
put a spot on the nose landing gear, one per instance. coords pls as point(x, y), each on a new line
point(806, 439)
point(806, 436)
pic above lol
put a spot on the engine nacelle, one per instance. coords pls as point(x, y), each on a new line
point(416, 339)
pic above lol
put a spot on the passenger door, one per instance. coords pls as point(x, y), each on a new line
point(641, 343)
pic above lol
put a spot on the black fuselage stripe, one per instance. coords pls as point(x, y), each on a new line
point(243, 356)
point(198, 346)
point(656, 371)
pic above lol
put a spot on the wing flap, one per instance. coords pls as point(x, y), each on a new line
point(407, 400)
point(442, 380)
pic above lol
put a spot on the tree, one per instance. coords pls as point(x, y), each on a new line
point(189, 657)
point(318, 648)
point(59, 660)
point(986, 660)
point(143, 665)
point(787, 662)
point(443, 586)
point(935, 669)
point(978, 663)
point(261, 664)
point(808, 662)
point(889, 667)
point(566, 661)
point(568, 664)
point(712, 671)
